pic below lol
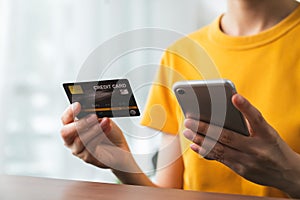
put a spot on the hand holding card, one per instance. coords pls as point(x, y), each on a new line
point(108, 98)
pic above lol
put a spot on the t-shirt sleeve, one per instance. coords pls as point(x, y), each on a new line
point(185, 60)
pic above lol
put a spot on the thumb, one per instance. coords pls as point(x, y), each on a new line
point(255, 119)
point(106, 125)
point(70, 113)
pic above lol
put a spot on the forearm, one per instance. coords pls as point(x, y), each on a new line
point(136, 178)
point(170, 167)
point(132, 174)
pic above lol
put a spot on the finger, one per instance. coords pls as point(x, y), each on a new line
point(90, 134)
point(193, 136)
point(236, 160)
point(106, 125)
point(87, 153)
point(195, 125)
point(216, 153)
point(94, 133)
point(77, 146)
point(253, 116)
point(87, 156)
point(68, 133)
point(204, 128)
point(97, 153)
point(97, 133)
point(70, 113)
point(100, 131)
point(223, 136)
point(201, 141)
point(85, 123)
point(71, 130)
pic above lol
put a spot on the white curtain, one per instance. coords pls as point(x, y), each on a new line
point(44, 43)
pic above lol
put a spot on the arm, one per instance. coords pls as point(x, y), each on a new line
point(263, 158)
point(102, 144)
point(169, 172)
point(170, 164)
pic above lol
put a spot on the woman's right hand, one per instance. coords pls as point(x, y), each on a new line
point(98, 142)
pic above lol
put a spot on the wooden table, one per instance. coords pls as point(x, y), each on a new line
point(29, 188)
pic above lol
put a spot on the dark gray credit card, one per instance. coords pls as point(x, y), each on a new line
point(106, 98)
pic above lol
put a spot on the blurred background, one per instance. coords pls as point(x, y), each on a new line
point(44, 43)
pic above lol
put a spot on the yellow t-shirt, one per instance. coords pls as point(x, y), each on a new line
point(265, 68)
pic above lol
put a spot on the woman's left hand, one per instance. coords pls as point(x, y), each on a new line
point(263, 157)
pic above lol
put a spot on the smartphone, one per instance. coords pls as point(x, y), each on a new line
point(210, 101)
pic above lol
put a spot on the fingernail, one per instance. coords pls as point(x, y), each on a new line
point(74, 105)
point(240, 99)
point(105, 124)
point(195, 147)
point(188, 134)
point(188, 123)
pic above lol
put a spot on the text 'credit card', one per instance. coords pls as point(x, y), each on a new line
point(108, 98)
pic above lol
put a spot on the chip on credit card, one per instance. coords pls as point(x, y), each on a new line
point(106, 98)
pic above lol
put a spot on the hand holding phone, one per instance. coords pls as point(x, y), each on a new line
point(210, 101)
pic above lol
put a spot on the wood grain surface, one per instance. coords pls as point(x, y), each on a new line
point(23, 188)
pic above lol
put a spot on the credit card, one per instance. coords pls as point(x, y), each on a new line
point(106, 98)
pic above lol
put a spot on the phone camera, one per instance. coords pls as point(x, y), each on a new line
point(180, 91)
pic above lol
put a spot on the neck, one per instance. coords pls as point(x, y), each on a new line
point(250, 17)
